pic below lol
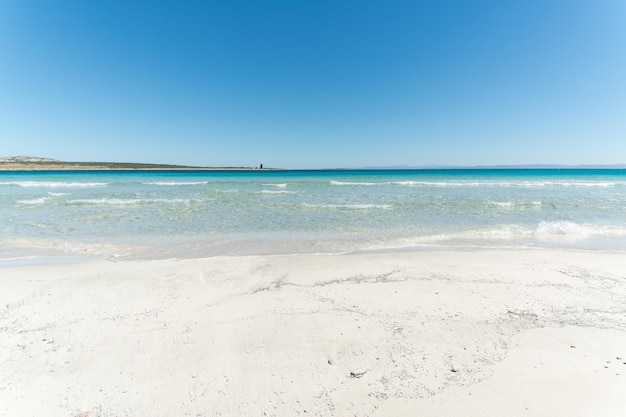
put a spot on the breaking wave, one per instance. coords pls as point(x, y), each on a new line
point(349, 206)
point(129, 201)
point(55, 184)
point(519, 184)
point(276, 185)
point(176, 183)
point(34, 201)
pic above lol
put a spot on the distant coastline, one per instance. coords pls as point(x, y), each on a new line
point(30, 163)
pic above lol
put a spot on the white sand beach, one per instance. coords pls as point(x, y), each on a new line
point(425, 333)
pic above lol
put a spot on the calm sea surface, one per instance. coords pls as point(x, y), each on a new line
point(186, 214)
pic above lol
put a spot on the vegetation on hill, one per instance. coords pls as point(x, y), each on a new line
point(36, 163)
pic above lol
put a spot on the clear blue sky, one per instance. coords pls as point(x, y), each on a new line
point(315, 84)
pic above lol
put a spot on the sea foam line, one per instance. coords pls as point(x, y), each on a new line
point(515, 204)
point(128, 202)
point(514, 234)
point(555, 229)
point(175, 183)
point(276, 192)
point(42, 200)
point(55, 184)
point(349, 206)
point(34, 201)
point(520, 184)
point(276, 185)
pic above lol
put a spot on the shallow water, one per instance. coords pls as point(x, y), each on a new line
point(161, 214)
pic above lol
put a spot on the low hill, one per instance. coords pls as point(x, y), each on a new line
point(38, 163)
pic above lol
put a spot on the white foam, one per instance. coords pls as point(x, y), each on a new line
point(34, 201)
point(513, 235)
point(515, 204)
point(563, 228)
point(356, 183)
point(55, 184)
point(505, 184)
point(505, 204)
point(176, 183)
point(276, 185)
point(128, 202)
point(350, 206)
point(559, 229)
point(276, 192)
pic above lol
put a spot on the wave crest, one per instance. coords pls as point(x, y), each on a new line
point(175, 183)
point(505, 184)
point(54, 184)
point(127, 201)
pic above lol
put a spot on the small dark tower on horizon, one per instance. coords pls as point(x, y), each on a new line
point(261, 166)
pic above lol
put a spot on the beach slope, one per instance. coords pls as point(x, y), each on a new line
point(428, 333)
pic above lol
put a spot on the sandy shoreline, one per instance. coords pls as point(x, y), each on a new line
point(429, 333)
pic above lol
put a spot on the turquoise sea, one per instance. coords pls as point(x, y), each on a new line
point(187, 214)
